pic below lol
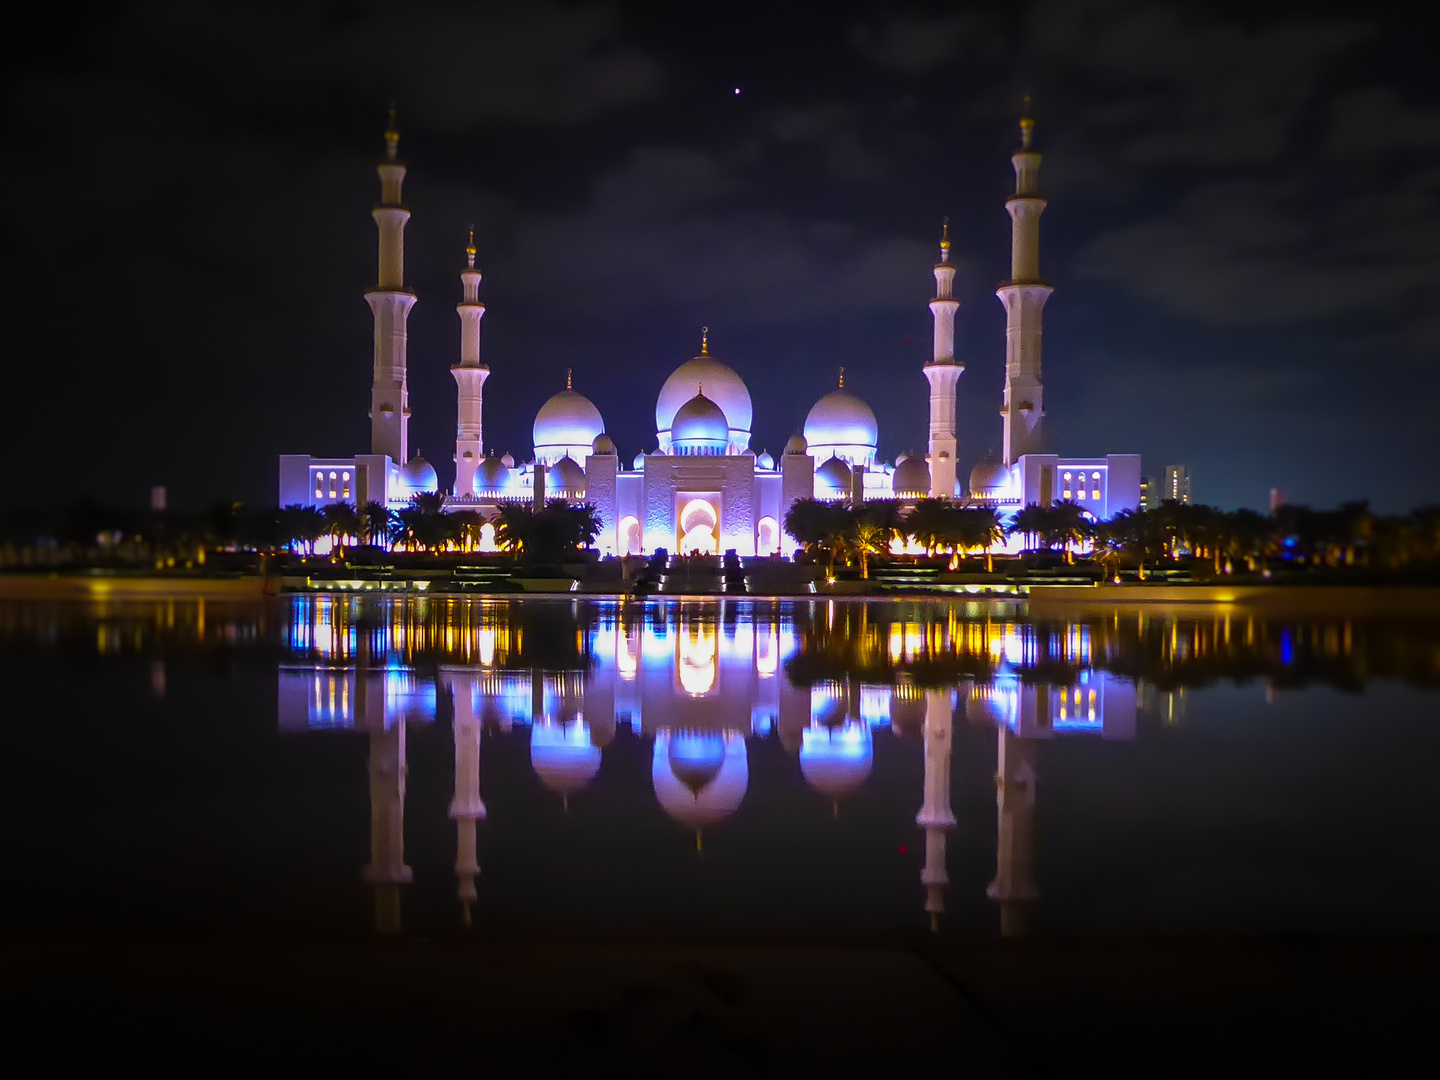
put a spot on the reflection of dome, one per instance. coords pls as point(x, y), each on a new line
point(565, 477)
point(492, 475)
point(835, 762)
point(912, 477)
point(721, 385)
point(797, 445)
point(720, 795)
point(832, 480)
point(699, 427)
point(907, 710)
point(841, 419)
point(568, 419)
point(988, 476)
point(603, 444)
point(765, 461)
point(695, 759)
point(563, 756)
point(418, 475)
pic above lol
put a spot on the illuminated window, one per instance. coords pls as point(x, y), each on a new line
point(1095, 494)
point(332, 475)
point(1095, 476)
point(1081, 495)
point(344, 476)
point(1067, 478)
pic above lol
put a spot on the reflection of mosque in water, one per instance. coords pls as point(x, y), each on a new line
point(700, 686)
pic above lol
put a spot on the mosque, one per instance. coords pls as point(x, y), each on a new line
point(702, 487)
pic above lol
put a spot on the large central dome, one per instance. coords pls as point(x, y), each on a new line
point(721, 385)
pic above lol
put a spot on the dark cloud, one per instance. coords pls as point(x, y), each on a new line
point(913, 43)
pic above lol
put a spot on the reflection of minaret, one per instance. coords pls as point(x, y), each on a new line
point(466, 806)
point(1014, 884)
point(387, 870)
point(935, 815)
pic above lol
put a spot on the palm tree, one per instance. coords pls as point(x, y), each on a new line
point(1068, 526)
point(342, 523)
point(1032, 522)
point(516, 527)
point(866, 538)
point(301, 523)
point(982, 529)
point(377, 524)
point(928, 522)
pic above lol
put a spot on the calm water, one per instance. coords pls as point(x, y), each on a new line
point(715, 768)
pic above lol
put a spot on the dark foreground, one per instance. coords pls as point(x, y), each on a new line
point(974, 1008)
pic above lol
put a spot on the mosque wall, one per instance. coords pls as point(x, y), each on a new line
point(669, 480)
point(600, 475)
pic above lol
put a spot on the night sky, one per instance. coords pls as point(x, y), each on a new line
point(1242, 231)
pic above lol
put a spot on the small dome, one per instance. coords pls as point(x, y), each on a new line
point(720, 384)
point(987, 477)
point(836, 761)
point(418, 475)
point(492, 475)
point(841, 419)
point(832, 480)
point(568, 419)
point(640, 462)
point(912, 477)
point(603, 445)
point(565, 476)
point(508, 460)
point(899, 460)
point(700, 426)
point(563, 756)
point(695, 759)
point(765, 461)
point(797, 445)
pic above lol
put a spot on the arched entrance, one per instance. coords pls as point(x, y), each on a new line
point(698, 528)
point(767, 536)
point(629, 536)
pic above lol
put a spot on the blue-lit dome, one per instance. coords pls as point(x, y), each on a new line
point(765, 461)
point(797, 445)
point(911, 477)
point(720, 796)
point(836, 761)
point(700, 427)
point(695, 759)
point(563, 756)
point(720, 384)
point(832, 480)
point(491, 475)
point(841, 419)
point(568, 422)
point(565, 477)
point(603, 445)
point(418, 476)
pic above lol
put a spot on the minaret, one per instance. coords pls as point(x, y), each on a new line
point(470, 376)
point(390, 301)
point(1014, 884)
point(466, 806)
point(1024, 297)
point(935, 815)
point(387, 870)
point(943, 371)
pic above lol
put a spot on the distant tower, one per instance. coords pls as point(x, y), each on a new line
point(390, 301)
point(1014, 884)
point(943, 371)
point(470, 376)
point(1024, 297)
point(936, 816)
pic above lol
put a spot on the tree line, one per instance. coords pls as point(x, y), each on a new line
point(1227, 541)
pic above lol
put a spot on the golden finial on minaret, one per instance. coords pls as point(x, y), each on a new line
point(1027, 125)
point(568, 385)
point(945, 233)
point(842, 378)
point(392, 136)
point(470, 249)
point(704, 341)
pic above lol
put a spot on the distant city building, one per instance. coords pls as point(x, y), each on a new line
point(1149, 493)
point(158, 498)
point(702, 488)
point(1177, 484)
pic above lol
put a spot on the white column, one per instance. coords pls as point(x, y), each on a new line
point(936, 816)
point(466, 806)
point(387, 870)
point(390, 302)
point(1024, 297)
point(1014, 884)
point(943, 372)
point(470, 376)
